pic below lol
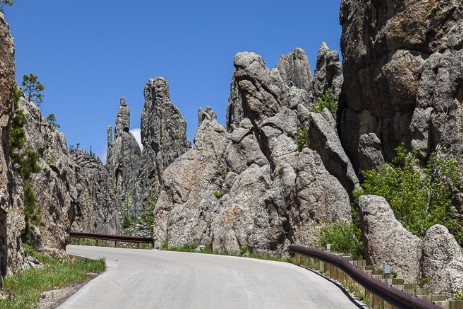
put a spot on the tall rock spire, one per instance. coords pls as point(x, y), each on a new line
point(163, 129)
point(123, 118)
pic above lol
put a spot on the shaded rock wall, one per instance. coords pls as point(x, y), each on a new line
point(402, 65)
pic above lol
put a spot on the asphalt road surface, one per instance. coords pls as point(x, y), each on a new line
point(161, 279)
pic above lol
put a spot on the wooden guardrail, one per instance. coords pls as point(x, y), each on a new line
point(116, 238)
point(341, 268)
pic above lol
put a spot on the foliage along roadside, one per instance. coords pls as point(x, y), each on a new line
point(24, 289)
point(419, 195)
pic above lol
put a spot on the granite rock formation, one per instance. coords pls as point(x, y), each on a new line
point(135, 174)
point(402, 64)
point(124, 163)
point(387, 241)
point(442, 261)
point(248, 185)
point(163, 129)
point(11, 208)
point(437, 258)
point(328, 74)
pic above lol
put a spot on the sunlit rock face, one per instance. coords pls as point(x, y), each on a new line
point(248, 184)
point(11, 213)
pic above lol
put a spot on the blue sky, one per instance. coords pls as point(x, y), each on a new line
point(89, 53)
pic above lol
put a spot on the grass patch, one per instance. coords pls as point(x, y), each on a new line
point(26, 287)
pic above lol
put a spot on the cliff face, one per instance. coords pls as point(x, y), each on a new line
point(55, 184)
point(402, 64)
point(11, 212)
point(250, 185)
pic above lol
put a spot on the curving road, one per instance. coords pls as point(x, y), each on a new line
point(162, 279)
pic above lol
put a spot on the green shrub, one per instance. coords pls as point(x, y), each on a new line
point(325, 101)
point(29, 164)
point(51, 119)
point(31, 213)
point(302, 138)
point(51, 161)
point(217, 195)
point(420, 196)
point(343, 237)
point(147, 217)
point(164, 246)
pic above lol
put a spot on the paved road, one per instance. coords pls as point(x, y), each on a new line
point(160, 279)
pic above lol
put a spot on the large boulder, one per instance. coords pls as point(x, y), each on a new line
point(442, 261)
point(387, 241)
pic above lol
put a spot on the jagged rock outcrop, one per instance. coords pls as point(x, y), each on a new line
point(328, 74)
point(163, 128)
point(403, 69)
point(123, 162)
point(95, 209)
point(387, 241)
point(55, 184)
point(294, 69)
point(249, 185)
point(11, 212)
point(442, 261)
point(324, 139)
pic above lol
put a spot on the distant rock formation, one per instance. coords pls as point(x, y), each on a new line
point(135, 174)
point(249, 185)
point(403, 75)
point(124, 162)
point(163, 128)
point(95, 209)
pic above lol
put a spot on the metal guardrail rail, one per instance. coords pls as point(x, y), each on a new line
point(116, 238)
point(389, 294)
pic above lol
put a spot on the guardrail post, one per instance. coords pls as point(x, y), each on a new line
point(116, 244)
point(97, 242)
